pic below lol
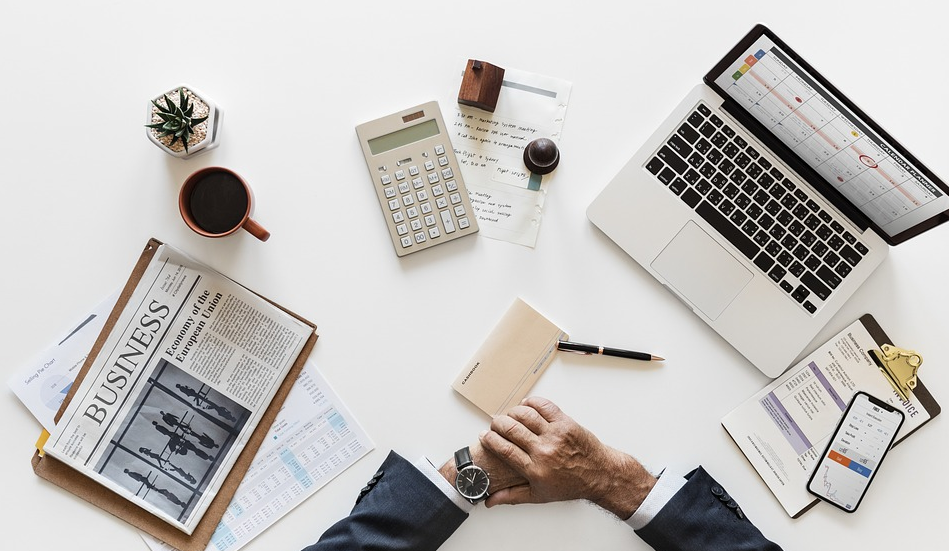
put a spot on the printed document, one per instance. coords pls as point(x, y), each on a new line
point(43, 383)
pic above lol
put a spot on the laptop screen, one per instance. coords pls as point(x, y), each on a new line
point(896, 194)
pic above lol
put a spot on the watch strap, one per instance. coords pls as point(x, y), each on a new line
point(463, 458)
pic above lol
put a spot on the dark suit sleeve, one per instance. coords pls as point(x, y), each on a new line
point(399, 509)
point(702, 516)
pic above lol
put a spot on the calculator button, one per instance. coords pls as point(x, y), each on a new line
point(408, 200)
point(463, 222)
point(430, 220)
point(400, 175)
point(451, 185)
point(417, 183)
point(429, 165)
point(432, 177)
point(420, 237)
point(455, 198)
point(434, 233)
point(413, 170)
point(394, 204)
point(460, 210)
point(406, 242)
point(447, 221)
point(412, 212)
point(402, 229)
point(426, 207)
point(437, 190)
point(397, 216)
point(416, 224)
point(441, 202)
point(404, 187)
point(439, 150)
point(442, 161)
point(421, 195)
point(390, 192)
point(386, 179)
point(447, 174)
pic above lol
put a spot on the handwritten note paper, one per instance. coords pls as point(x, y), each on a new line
point(508, 200)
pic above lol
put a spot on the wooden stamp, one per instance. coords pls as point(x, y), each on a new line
point(481, 85)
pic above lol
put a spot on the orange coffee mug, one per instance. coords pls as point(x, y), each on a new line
point(216, 202)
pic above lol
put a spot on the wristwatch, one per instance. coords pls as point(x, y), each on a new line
point(471, 481)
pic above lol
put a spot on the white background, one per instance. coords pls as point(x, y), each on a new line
point(84, 189)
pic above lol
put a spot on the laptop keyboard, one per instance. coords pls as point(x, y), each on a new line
point(776, 224)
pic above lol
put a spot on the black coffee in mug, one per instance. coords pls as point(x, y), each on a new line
point(218, 202)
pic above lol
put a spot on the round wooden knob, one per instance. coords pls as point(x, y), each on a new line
point(541, 156)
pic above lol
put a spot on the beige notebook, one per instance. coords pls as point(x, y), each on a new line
point(510, 361)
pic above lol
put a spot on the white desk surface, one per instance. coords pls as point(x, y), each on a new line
point(84, 189)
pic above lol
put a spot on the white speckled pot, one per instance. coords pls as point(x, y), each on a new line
point(206, 134)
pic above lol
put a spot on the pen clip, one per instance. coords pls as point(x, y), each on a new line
point(582, 353)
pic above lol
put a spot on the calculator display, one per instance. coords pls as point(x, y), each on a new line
point(403, 137)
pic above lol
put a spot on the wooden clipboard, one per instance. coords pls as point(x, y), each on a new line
point(86, 488)
point(920, 393)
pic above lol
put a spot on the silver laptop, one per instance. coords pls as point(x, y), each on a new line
point(766, 199)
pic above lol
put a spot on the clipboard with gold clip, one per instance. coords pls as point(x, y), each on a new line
point(899, 366)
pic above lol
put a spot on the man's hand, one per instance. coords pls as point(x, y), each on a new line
point(500, 473)
point(561, 461)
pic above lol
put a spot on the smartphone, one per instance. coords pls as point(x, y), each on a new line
point(855, 451)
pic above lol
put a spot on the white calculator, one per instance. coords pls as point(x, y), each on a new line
point(417, 178)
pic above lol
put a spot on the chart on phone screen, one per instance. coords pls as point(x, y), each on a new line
point(861, 442)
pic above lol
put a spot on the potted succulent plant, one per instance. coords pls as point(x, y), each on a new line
point(183, 122)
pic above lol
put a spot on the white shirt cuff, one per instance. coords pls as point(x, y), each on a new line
point(426, 467)
point(666, 487)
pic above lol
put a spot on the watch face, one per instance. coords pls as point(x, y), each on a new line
point(472, 482)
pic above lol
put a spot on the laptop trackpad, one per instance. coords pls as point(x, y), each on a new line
point(701, 270)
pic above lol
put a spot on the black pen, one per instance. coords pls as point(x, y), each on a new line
point(589, 349)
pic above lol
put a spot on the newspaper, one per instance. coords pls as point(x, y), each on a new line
point(177, 389)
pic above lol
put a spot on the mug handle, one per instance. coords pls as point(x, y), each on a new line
point(256, 229)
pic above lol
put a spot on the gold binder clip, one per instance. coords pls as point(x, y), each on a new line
point(899, 366)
